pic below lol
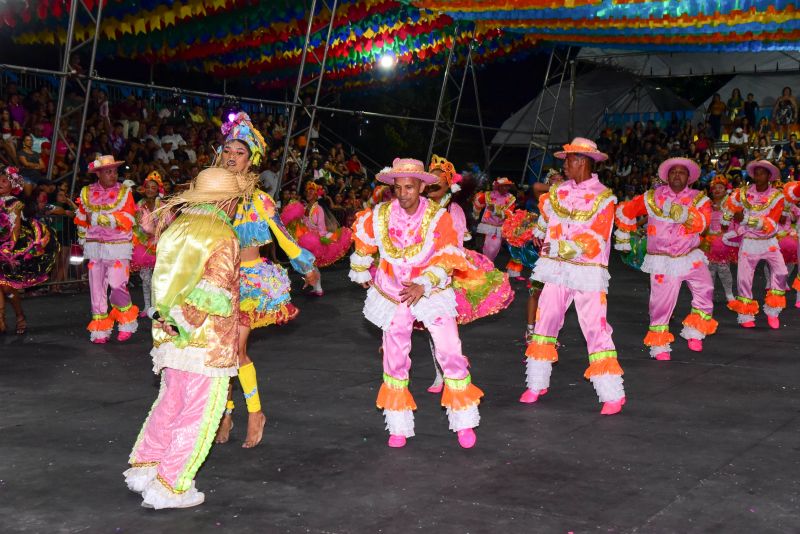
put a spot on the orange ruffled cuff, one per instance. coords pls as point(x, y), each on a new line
point(704, 326)
point(606, 366)
point(542, 351)
point(101, 325)
point(461, 399)
point(775, 301)
point(743, 308)
point(125, 316)
point(796, 283)
point(398, 400)
point(658, 339)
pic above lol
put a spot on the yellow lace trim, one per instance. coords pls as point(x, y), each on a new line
point(575, 214)
point(382, 229)
point(757, 207)
point(650, 198)
point(89, 206)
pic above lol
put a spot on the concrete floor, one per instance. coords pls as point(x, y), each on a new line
point(707, 442)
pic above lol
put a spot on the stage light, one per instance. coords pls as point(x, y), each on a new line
point(231, 116)
point(387, 61)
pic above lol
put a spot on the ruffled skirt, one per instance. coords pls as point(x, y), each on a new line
point(635, 256)
point(27, 261)
point(142, 258)
point(327, 250)
point(264, 297)
point(788, 244)
point(717, 251)
point(485, 291)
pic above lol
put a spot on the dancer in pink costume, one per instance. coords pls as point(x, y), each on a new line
point(791, 193)
point(758, 209)
point(719, 253)
point(418, 250)
point(144, 240)
point(574, 233)
point(494, 204)
point(195, 325)
point(483, 290)
point(105, 218)
point(676, 216)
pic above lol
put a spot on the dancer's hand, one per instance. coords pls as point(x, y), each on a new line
point(544, 249)
point(163, 325)
point(411, 294)
point(538, 242)
point(366, 285)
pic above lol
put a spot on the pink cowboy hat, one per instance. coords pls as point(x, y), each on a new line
point(691, 166)
point(583, 146)
point(502, 181)
point(103, 162)
point(406, 168)
point(774, 172)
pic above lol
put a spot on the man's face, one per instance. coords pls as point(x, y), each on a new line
point(107, 177)
point(574, 165)
point(760, 176)
point(407, 192)
point(166, 146)
point(678, 177)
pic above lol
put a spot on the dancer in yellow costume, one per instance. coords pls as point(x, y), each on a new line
point(264, 286)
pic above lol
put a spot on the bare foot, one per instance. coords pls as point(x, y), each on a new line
point(255, 429)
point(224, 430)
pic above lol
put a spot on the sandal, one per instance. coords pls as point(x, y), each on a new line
point(22, 325)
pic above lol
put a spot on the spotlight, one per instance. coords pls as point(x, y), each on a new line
point(387, 61)
point(231, 116)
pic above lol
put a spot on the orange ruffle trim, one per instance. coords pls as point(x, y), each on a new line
point(546, 352)
point(796, 283)
point(658, 339)
point(743, 308)
point(101, 325)
point(704, 326)
point(513, 265)
point(128, 316)
point(606, 366)
point(461, 399)
point(775, 301)
point(395, 399)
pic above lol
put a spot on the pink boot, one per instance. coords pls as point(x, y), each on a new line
point(396, 441)
point(748, 324)
point(612, 407)
point(100, 341)
point(773, 322)
point(467, 438)
point(124, 336)
point(530, 396)
point(663, 357)
point(436, 388)
point(696, 345)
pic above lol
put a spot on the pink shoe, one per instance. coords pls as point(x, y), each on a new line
point(142, 314)
point(520, 278)
point(748, 324)
point(318, 293)
point(124, 336)
point(530, 396)
point(396, 441)
point(436, 388)
point(696, 345)
point(100, 341)
point(663, 356)
point(612, 407)
point(773, 322)
point(797, 304)
point(467, 438)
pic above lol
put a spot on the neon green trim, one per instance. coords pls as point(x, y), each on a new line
point(703, 315)
point(210, 302)
point(458, 383)
point(745, 300)
point(659, 328)
point(777, 292)
point(602, 355)
point(215, 405)
point(123, 309)
point(99, 316)
point(543, 340)
point(395, 383)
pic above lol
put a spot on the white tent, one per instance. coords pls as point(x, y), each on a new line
point(765, 88)
point(599, 93)
point(693, 64)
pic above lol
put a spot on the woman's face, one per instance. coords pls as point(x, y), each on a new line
point(5, 115)
point(150, 189)
point(311, 195)
point(787, 91)
point(338, 198)
point(27, 141)
point(235, 156)
point(717, 191)
point(5, 184)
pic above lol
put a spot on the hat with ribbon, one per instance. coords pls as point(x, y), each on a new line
point(103, 162)
point(691, 166)
point(774, 172)
point(583, 147)
point(406, 168)
point(241, 129)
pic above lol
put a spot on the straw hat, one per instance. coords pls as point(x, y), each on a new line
point(582, 146)
point(668, 164)
point(104, 162)
point(406, 168)
point(774, 172)
point(212, 186)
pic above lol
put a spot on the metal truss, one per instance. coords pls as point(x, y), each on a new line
point(311, 109)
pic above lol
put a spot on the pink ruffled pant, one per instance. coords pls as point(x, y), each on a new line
point(664, 291)
point(105, 274)
point(777, 278)
point(491, 246)
point(397, 345)
point(181, 426)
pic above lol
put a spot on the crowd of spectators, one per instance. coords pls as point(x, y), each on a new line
point(722, 144)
